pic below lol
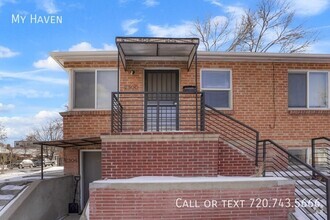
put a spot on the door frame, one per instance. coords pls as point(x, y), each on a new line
point(178, 90)
point(81, 187)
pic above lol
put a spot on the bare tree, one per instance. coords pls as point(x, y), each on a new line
point(3, 133)
point(50, 131)
point(213, 32)
point(270, 27)
point(3, 151)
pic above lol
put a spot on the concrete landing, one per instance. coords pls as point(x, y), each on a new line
point(71, 217)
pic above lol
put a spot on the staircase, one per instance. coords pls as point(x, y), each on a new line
point(237, 141)
point(9, 191)
point(312, 186)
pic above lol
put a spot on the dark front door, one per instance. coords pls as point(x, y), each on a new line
point(161, 100)
point(91, 171)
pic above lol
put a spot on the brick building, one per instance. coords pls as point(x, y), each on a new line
point(160, 108)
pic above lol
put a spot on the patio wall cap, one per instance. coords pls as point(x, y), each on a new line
point(147, 183)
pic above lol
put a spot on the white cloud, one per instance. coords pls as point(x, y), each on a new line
point(6, 52)
point(86, 46)
point(109, 47)
point(309, 8)
point(180, 30)
point(215, 2)
point(322, 47)
point(129, 26)
point(150, 3)
point(31, 75)
point(83, 46)
point(3, 2)
point(20, 91)
point(6, 107)
point(235, 11)
point(18, 127)
point(49, 64)
point(219, 20)
point(48, 6)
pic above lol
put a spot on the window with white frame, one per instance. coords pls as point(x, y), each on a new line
point(92, 89)
point(216, 85)
point(308, 89)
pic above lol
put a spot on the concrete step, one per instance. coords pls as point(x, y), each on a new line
point(71, 217)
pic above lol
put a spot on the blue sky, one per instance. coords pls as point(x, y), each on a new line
point(33, 89)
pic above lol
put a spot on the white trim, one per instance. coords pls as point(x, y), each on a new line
point(81, 171)
point(307, 73)
point(220, 89)
point(62, 57)
point(72, 89)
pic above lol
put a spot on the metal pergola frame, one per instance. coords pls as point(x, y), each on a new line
point(192, 43)
point(189, 58)
point(79, 142)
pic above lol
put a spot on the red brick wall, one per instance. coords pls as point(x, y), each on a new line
point(260, 96)
point(260, 99)
point(150, 156)
point(82, 124)
point(79, 124)
point(232, 162)
point(109, 203)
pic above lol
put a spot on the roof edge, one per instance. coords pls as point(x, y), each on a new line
point(61, 57)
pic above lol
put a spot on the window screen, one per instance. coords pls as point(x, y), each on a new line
point(106, 83)
point(217, 88)
point(84, 90)
point(297, 90)
point(318, 89)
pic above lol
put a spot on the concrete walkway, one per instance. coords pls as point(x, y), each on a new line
point(71, 217)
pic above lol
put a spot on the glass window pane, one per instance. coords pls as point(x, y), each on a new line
point(299, 153)
point(106, 83)
point(318, 89)
point(215, 79)
point(84, 91)
point(297, 90)
point(217, 99)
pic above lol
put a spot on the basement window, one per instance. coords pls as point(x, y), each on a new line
point(92, 89)
point(217, 87)
point(299, 153)
point(308, 90)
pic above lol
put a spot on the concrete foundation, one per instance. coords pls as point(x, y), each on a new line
point(43, 199)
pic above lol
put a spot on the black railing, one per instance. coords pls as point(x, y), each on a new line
point(312, 187)
point(321, 154)
point(116, 115)
point(233, 132)
point(151, 111)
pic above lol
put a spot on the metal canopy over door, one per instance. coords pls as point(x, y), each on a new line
point(161, 100)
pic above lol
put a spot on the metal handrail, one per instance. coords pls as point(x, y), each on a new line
point(313, 147)
point(231, 118)
point(314, 176)
point(132, 105)
point(233, 128)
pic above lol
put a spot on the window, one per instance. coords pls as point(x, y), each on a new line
point(216, 85)
point(308, 89)
point(299, 153)
point(92, 89)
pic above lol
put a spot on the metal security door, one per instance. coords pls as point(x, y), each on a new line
point(161, 100)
